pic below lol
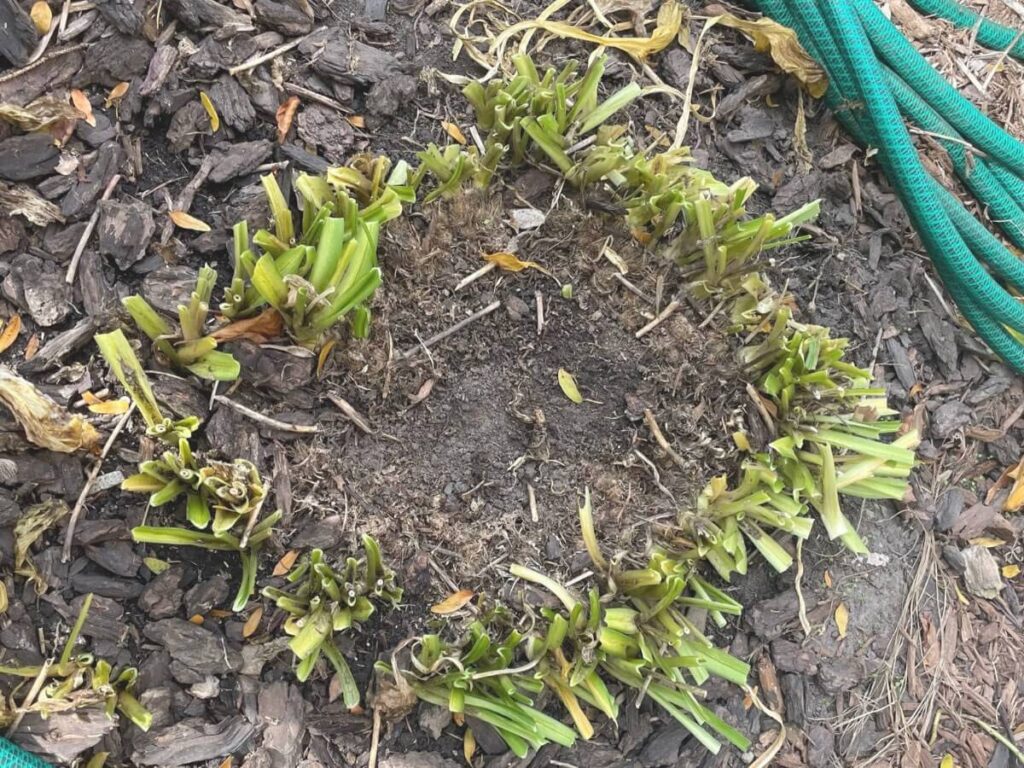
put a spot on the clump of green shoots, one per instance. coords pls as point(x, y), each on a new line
point(477, 676)
point(317, 275)
point(637, 628)
point(77, 681)
point(829, 422)
point(324, 602)
point(726, 519)
point(218, 495)
point(186, 346)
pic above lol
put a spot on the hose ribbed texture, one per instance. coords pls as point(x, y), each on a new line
point(990, 34)
point(15, 757)
point(871, 101)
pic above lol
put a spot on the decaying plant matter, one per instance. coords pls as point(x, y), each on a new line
point(77, 681)
point(323, 602)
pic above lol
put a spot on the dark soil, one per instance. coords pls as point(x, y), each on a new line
point(460, 433)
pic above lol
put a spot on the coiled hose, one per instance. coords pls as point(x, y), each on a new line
point(876, 80)
point(15, 757)
point(990, 34)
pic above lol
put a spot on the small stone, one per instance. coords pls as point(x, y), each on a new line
point(209, 688)
point(949, 417)
point(517, 308)
point(28, 156)
point(981, 573)
point(526, 218)
point(95, 135)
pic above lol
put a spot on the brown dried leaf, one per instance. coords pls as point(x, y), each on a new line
point(188, 221)
point(10, 332)
point(782, 45)
point(323, 357)
point(264, 327)
point(116, 93)
point(46, 424)
point(356, 121)
point(42, 16)
point(83, 105)
point(285, 115)
point(32, 346)
point(454, 602)
point(286, 562)
point(423, 393)
point(21, 200)
point(253, 622)
point(33, 523)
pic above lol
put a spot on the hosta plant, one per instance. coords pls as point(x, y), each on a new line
point(482, 675)
point(635, 628)
point(317, 274)
point(187, 345)
point(76, 681)
point(830, 424)
point(220, 496)
point(323, 602)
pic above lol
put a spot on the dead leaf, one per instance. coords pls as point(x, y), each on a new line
point(211, 111)
point(323, 357)
point(42, 16)
point(468, 745)
point(568, 385)
point(111, 407)
point(46, 424)
point(423, 393)
point(356, 121)
point(197, 619)
point(33, 523)
point(989, 542)
point(227, 762)
point(512, 263)
point(454, 602)
point(947, 761)
point(187, 221)
point(454, 131)
point(10, 332)
point(1011, 571)
point(32, 346)
point(38, 114)
point(782, 45)
point(264, 327)
point(828, 579)
point(83, 105)
point(842, 618)
point(285, 115)
point(253, 622)
point(286, 562)
point(116, 93)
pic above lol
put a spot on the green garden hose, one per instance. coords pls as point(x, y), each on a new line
point(15, 757)
point(990, 34)
point(871, 100)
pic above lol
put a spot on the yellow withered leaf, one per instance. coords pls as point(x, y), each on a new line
point(454, 131)
point(842, 618)
point(989, 542)
point(82, 104)
point(252, 623)
point(356, 121)
point(1011, 571)
point(568, 385)
point(468, 745)
point(32, 346)
point(42, 16)
point(116, 93)
point(188, 221)
point(156, 565)
point(782, 45)
point(323, 357)
point(454, 602)
point(947, 761)
point(111, 407)
point(10, 332)
point(46, 424)
point(512, 263)
point(286, 562)
point(211, 111)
